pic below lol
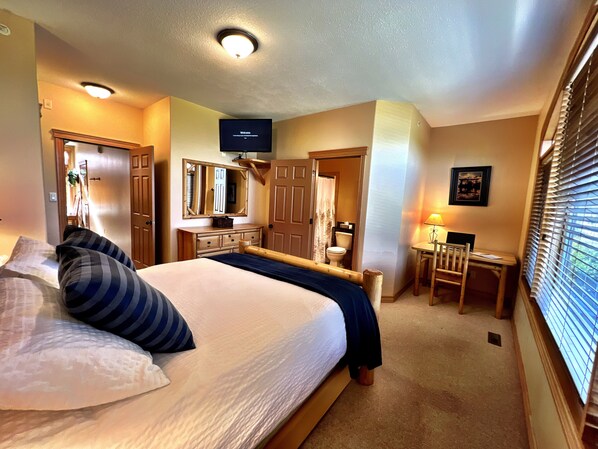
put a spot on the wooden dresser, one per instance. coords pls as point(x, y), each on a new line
point(209, 241)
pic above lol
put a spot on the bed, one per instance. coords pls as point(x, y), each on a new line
point(268, 363)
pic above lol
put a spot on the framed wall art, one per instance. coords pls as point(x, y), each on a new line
point(470, 186)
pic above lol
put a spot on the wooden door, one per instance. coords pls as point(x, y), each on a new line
point(291, 204)
point(143, 235)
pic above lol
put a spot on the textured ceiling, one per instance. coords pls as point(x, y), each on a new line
point(458, 61)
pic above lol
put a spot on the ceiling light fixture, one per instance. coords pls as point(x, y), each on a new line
point(238, 43)
point(97, 90)
point(4, 30)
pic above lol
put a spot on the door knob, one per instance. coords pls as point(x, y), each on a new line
point(148, 222)
point(270, 226)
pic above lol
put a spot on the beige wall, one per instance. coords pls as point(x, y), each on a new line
point(195, 135)
point(76, 111)
point(21, 177)
point(347, 172)
point(415, 176)
point(507, 146)
point(156, 132)
point(348, 127)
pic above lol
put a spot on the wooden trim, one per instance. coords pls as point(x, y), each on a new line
point(531, 438)
point(396, 296)
point(187, 216)
point(335, 154)
point(60, 137)
point(563, 399)
point(60, 184)
point(303, 421)
point(584, 39)
point(255, 165)
point(67, 135)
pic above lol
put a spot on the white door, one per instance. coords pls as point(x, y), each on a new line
point(219, 190)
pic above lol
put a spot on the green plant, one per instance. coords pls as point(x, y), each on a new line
point(72, 177)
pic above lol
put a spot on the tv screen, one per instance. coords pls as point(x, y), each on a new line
point(246, 135)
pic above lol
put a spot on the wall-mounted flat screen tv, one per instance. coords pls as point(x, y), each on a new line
point(246, 135)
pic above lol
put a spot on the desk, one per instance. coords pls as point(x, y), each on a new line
point(498, 266)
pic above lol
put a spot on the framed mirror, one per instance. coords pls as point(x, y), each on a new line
point(212, 189)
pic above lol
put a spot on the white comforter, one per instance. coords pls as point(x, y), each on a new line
point(262, 347)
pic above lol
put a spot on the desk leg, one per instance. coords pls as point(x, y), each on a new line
point(500, 298)
point(418, 261)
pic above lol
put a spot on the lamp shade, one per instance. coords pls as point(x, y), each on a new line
point(434, 219)
point(238, 43)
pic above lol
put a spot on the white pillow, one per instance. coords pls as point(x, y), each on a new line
point(32, 259)
point(51, 361)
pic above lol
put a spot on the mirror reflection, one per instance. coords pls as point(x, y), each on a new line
point(212, 189)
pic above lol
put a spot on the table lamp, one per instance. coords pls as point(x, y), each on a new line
point(434, 220)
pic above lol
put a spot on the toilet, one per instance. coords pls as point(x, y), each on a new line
point(336, 254)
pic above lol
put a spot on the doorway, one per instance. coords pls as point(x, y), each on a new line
point(346, 170)
point(76, 178)
point(293, 194)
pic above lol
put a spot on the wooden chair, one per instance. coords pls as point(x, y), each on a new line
point(449, 266)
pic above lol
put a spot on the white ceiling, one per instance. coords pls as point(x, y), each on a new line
point(458, 61)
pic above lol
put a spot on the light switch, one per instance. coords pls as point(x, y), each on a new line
point(53, 197)
point(47, 103)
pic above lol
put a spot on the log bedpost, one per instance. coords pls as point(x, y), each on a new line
point(243, 244)
point(372, 285)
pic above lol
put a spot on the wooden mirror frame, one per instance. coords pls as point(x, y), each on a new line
point(244, 173)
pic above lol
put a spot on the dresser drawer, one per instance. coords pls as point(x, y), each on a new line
point(231, 239)
point(202, 241)
point(254, 236)
point(208, 242)
point(214, 253)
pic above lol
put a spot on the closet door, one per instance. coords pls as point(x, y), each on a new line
point(291, 205)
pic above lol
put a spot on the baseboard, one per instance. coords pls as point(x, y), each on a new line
point(524, 390)
point(394, 297)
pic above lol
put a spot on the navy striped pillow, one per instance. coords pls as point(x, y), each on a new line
point(86, 238)
point(100, 291)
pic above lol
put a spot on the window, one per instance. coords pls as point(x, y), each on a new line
point(562, 254)
point(537, 213)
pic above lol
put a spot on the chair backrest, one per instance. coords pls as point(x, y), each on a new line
point(450, 258)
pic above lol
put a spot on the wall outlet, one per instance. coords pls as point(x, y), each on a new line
point(53, 197)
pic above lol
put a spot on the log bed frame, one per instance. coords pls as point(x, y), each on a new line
point(296, 429)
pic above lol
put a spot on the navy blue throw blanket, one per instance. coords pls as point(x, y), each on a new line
point(363, 335)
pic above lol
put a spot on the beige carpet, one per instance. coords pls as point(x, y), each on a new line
point(442, 385)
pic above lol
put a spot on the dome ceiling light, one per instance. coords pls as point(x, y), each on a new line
point(238, 43)
point(97, 90)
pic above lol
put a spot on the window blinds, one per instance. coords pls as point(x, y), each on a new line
point(562, 253)
point(537, 212)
